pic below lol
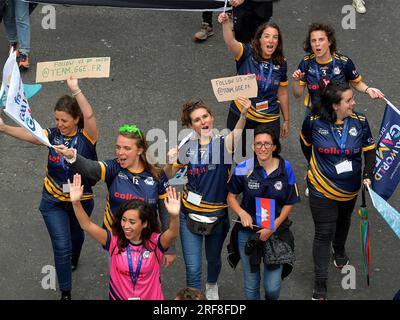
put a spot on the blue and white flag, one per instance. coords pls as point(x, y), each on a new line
point(388, 213)
point(387, 167)
point(186, 5)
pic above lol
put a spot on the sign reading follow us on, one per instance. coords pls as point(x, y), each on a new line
point(80, 68)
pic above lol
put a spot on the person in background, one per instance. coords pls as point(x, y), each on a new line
point(206, 29)
point(359, 5)
point(190, 294)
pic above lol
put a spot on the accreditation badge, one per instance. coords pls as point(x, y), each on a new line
point(261, 106)
point(344, 166)
point(194, 198)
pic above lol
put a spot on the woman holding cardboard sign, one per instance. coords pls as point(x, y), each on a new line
point(204, 214)
point(75, 127)
point(263, 57)
point(269, 190)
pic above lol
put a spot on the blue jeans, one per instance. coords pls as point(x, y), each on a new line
point(192, 251)
point(272, 277)
point(65, 233)
point(16, 22)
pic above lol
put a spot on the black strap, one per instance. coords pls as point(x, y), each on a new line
point(363, 204)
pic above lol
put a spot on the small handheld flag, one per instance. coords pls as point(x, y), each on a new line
point(265, 213)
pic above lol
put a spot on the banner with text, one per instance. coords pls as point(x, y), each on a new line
point(230, 88)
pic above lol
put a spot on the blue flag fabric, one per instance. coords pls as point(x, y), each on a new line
point(387, 167)
point(189, 5)
point(388, 213)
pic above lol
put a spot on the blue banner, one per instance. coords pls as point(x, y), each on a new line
point(387, 167)
point(388, 213)
point(189, 5)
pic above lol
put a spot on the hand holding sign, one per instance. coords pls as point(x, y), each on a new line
point(227, 89)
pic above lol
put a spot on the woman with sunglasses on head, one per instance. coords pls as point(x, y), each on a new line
point(129, 176)
point(264, 57)
point(75, 127)
point(204, 214)
point(268, 185)
point(135, 244)
point(333, 139)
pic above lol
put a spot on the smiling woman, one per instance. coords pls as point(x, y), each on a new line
point(75, 127)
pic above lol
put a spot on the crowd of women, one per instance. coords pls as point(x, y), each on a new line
point(334, 137)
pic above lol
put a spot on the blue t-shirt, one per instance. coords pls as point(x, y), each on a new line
point(323, 179)
point(251, 179)
point(207, 175)
point(339, 67)
point(58, 172)
point(259, 111)
point(124, 185)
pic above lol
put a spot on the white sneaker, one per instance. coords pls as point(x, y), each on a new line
point(360, 6)
point(212, 291)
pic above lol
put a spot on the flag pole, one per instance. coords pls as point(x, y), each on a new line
point(226, 3)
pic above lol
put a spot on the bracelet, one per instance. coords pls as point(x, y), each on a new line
point(74, 94)
point(365, 91)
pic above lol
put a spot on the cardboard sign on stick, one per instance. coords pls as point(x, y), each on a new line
point(80, 68)
point(227, 89)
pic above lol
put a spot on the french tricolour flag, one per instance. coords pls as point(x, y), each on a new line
point(265, 213)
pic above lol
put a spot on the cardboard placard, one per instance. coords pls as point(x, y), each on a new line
point(230, 88)
point(80, 68)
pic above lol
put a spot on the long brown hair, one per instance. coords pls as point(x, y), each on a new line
point(277, 57)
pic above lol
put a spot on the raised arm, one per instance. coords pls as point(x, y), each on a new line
point(96, 232)
point(18, 132)
point(232, 138)
point(233, 45)
point(90, 125)
point(373, 93)
point(171, 169)
point(173, 205)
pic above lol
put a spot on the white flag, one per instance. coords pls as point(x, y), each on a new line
point(17, 107)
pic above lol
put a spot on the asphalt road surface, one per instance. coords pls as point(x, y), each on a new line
point(155, 68)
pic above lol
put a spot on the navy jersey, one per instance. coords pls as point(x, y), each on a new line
point(124, 184)
point(322, 177)
point(339, 67)
point(207, 174)
point(58, 172)
point(245, 64)
point(251, 179)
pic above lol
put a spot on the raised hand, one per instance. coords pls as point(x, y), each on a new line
point(173, 202)
point(245, 103)
point(223, 18)
point(173, 155)
point(298, 75)
point(75, 189)
point(73, 83)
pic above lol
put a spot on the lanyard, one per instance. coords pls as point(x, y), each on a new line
point(317, 70)
point(265, 86)
point(74, 141)
point(134, 276)
point(341, 141)
point(199, 165)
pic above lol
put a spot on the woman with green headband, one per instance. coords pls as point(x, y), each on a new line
point(129, 176)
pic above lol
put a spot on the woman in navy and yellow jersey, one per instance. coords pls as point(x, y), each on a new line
point(204, 213)
point(129, 176)
point(264, 58)
point(323, 62)
point(75, 127)
point(334, 138)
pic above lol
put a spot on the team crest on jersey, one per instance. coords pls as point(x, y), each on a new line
point(353, 132)
point(146, 254)
point(123, 176)
point(149, 181)
point(253, 185)
point(336, 70)
point(278, 185)
point(278, 67)
point(322, 131)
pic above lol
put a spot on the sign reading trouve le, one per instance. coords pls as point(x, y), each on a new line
point(227, 89)
point(80, 68)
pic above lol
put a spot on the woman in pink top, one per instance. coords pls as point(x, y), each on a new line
point(136, 246)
